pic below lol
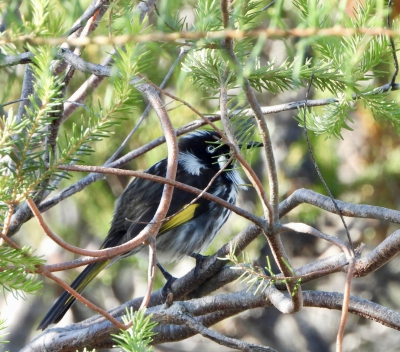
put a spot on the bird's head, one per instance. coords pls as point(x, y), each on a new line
point(203, 149)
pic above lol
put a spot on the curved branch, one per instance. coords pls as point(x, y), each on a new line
point(107, 170)
point(379, 256)
point(348, 209)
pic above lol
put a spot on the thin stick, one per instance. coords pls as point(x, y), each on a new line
point(304, 228)
point(393, 45)
point(319, 171)
point(346, 302)
point(151, 241)
point(9, 241)
point(103, 253)
point(148, 107)
point(85, 301)
point(107, 170)
point(6, 225)
point(231, 33)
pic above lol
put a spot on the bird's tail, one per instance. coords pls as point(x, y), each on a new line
point(66, 300)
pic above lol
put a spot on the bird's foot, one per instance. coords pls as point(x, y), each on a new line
point(199, 262)
point(166, 290)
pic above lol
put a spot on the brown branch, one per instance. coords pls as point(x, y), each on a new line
point(272, 33)
point(393, 45)
point(348, 209)
point(94, 13)
point(379, 256)
point(350, 271)
point(177, 314)
point(90, 11)
point(151, 275)
point(9, 241)
point(6, 224)
point(172, 149)
point(270, 210)
point(76, 263)
point(83, 300)
point(107, 170)
point(304, 228)
point(255, 181)
point(346, 302)
point(27, 91)
point(101, 253)
point(144, 8)
point(272, 214)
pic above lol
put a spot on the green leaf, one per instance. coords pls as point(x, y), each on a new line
point(139, 336)
point(16, 267)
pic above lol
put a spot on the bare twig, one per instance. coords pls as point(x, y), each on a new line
point(6, 226)
point(146, 111)
point(321, 177)
point(107, 170)
point(346, 302)
point(272, 214)
point(225, 13)
point(82, 32)
point(7, 220)
point(255, 181)
point(27, 90)
point(73, 264)
point(80, 94)
point(151, 241)
point(348, 251)
point(379, 256)
point(348, 209)
point(273, 33)
point(268, 6)
point(178, 315)
point(172, 147)
point(101, 253)
point(90, 11)
point(304, 228)
point(393, 45)
point(85, 301)
point(350, 271)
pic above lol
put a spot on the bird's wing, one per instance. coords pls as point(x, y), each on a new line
point(175, 217)
point(183, 215)
point(139, 203)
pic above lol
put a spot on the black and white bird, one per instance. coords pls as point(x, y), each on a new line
point(188, 230)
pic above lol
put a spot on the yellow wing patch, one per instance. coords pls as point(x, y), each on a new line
point(179, 219)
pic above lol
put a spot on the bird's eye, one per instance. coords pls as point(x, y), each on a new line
point(211, 149)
